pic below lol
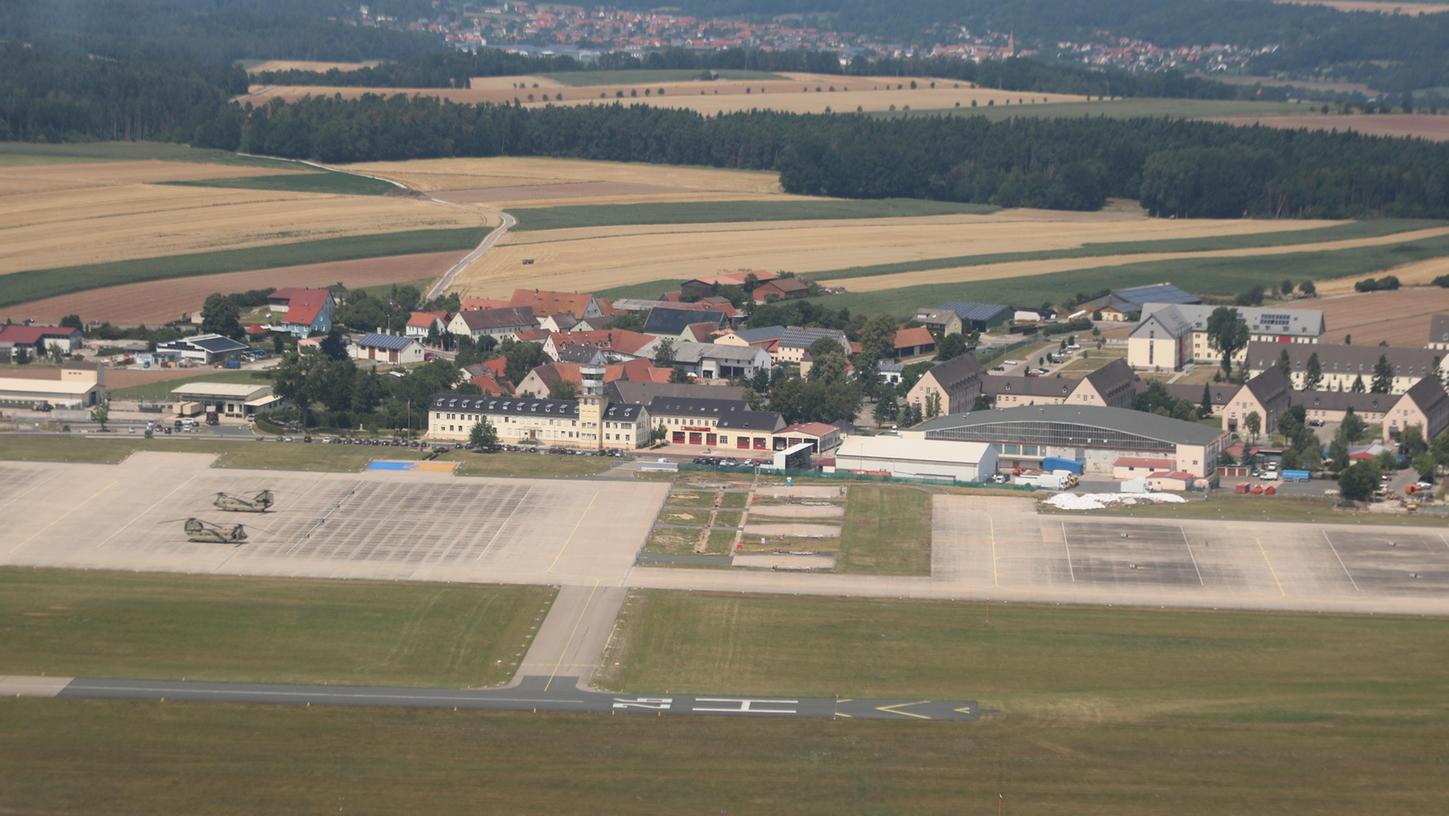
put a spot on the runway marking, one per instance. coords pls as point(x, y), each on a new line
point(572, 634)
point(138, 516)
point(1340, 560)
point(58, 519)
point(894, 709)
point(1070, 570)
point(494, 540)
point(1444, 540)
point(575, 531)
point(991, 525)
point(1180, 529)
point(1271, 571)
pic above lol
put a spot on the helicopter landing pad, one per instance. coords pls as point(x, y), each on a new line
point(424, 526)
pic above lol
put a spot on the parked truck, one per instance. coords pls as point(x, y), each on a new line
point(1053, 464)
point(1296, 475)
point(1047, 481)
point(188, 409)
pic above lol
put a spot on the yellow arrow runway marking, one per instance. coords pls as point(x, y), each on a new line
point(965, 710)
point(895, 709)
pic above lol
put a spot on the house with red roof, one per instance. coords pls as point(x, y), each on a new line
point(780, 289)
point(40, 339)
point(615, 344)
point(500, 324)
point(301, 311)
point(581, 305)
point(915, 341)
point(423, 324)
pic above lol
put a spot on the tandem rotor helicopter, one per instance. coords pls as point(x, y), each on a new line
point(201, 531)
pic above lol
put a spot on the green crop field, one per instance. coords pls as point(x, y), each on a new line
point(1287, 237)
point(887, 531)
point(707, 212)
point(22, 287)
point(102, 624)
point(324, 182)
point(1204, 276)
point(38, 153)
point(641, 76)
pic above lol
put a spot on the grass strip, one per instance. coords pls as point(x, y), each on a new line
point(325, 182)
point(153, 626)
point(887, 531)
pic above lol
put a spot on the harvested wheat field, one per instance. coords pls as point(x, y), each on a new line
point(308, 65)
point(1377, 6)
point(1419, 273)
point(160, 301)
point(797, 93)
point(68, 227)
point(532, 182)
point(1020, 268)
point(1435, 128)
point(600, 258)
point(1399, 318)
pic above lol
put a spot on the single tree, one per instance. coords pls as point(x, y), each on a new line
point(483, 436)
point(1307, 288)
point(563, 390)
point(1286, 287)
point(1228, 332)
point(219, 315)
point(950, 347)
point(933, 405)
point(1284, 361)
point(1412, 442)
point(1353, 426)
point(1383, 381)
point(1338, 453)
point(101, 412)
point(333, 345)
point(1313, 376)
point(878, 338)
point(1358, 481)
point(72, 321)
point(1426, 466)
point(1357, 386)
point(1205, 408)
point(1254, 424)
point(664, 352)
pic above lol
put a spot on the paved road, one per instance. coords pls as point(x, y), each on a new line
point(570, 643)
point(560, 694)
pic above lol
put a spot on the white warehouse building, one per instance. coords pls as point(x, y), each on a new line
point(918, 458)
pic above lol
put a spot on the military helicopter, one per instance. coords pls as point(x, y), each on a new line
point(240, 504)
point(201, 531)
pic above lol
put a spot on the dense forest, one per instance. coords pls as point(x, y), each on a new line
point(1174, 167)
point(1391, 52)
point(452, 69)
point(213, 31)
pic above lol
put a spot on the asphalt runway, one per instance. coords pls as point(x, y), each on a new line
point(535, 694)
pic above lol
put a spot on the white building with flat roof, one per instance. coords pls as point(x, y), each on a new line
point(226, 399)
point(78, 387)
point(917, 458)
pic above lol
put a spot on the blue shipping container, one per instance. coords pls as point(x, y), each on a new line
point(1296, 475)
point(1052, 464)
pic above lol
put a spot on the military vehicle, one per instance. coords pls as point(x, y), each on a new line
point(258, 503)
point(204, 532)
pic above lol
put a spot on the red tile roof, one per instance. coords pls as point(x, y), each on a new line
point(545, 302)
point(811, 428)
point(424, 320)
point(469, 304)
point(303, 305)
point(620, 340)
point(914, 337)
point(30, 335)
point(490, 385)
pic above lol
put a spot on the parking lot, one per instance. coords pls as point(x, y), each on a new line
point(416, 524)
point(1002, 547)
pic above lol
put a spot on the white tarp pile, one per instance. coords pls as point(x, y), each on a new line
point(1098, 501)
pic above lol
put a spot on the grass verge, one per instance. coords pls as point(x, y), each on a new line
point(23, 287)
point(708, 212)
point(102, 624)
point(328, 182)
point(887, 531)
point(527, 465)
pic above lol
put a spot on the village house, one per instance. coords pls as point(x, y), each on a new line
point(499, 324)
point(948, 388)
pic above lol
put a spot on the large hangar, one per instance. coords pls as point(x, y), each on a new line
point(917, 458)
point(1094, 435)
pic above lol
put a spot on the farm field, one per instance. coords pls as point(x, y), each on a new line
point(706, 212)
point(260, 66)
point(1378, 6)
point(293, 631)
point(1414, 125)
point(160, 301)
point(1220, 274)
point(1125, 108)
point(22, 287)
point(789, 92)
point(581, 79)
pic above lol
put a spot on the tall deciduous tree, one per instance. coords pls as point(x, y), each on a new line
point(1228, 332)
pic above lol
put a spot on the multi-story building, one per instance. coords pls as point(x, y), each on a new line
point(1343, 366)
point(590, 422)
point(1172, 335)
point(948, 388)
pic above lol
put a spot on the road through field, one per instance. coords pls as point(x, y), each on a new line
point(1015, 269)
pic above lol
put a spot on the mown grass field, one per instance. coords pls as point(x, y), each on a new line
point(101, 624)
point(887, 531)
point(642, 76)
point(1205, 276)
point(528, 465)
point(328, 182)
point(707, 212)
point(68, 756)
point(21, 287)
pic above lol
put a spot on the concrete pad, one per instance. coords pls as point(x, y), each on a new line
point(801, 492)
point(23, 686)
point(798, 511)
point(418, 526)
point(793, 530)
point(571, 640)
point(785, 562)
